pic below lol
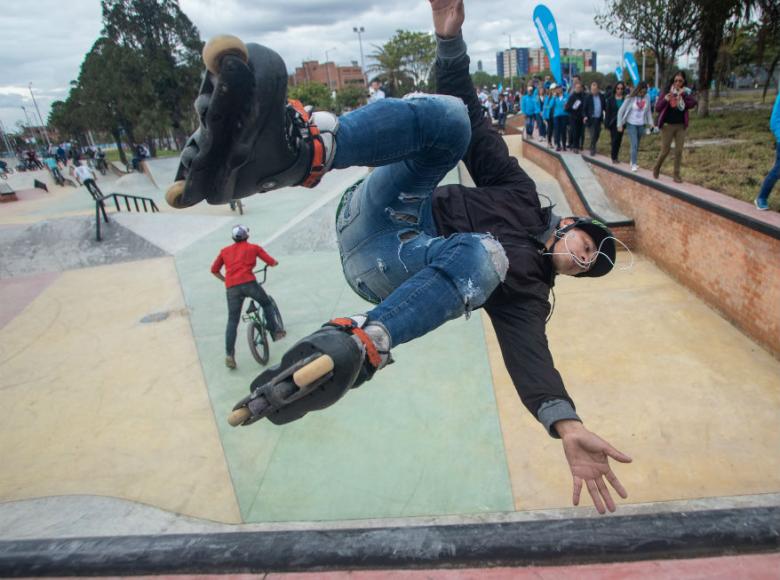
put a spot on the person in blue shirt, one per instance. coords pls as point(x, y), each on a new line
point(774, 173)
point(560, 117)
point(529, 107)
point(547, 113)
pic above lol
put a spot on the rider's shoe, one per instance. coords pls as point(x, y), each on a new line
point(230, 361)
point(279, 335)
point(317, 371)
point(250, 139)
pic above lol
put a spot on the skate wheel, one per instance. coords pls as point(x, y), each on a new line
point(238, 416)
point(320, 367)
point(221, 46)
point(174, 195)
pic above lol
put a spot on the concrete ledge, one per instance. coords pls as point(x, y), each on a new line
point(599, 207)
point(608, 539)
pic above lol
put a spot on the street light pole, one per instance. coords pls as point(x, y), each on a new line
point(360, 30)
point(43, 125)
point(327, 66)
point(510, 59)
point(570, 58)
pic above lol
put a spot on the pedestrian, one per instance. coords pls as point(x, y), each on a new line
point(239, 260)
point(595, 108)
point(502, 111)
point(86, 177)
point(529, 108)
point(375, 91)
point(635, 117)
point(672, 108)
point(541, 96)
point(614, 102)
point(774, 173)
point(575, 107)
point(547, 112)
point(560, 118)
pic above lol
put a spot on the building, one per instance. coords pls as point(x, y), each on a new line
point(512, 60)
point(525, 61)
point(329, 74)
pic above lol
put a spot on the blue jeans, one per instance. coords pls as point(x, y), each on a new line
point(559, 126)
point(542, 126)
point(529, 125)
point(771, 177)
point(635, 133)
point(391, 253)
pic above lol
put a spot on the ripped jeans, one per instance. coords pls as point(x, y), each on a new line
point(391, 253)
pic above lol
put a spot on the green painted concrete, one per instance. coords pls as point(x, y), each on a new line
point(422, 438)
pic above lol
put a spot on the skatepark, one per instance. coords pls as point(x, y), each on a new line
point(114, 396)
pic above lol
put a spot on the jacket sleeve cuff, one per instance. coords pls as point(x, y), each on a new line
point(450, 48)
point(555, 410)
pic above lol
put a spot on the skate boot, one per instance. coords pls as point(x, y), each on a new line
point(250, 139)
point(316, 372)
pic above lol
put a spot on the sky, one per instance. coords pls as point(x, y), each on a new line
point(43, 42)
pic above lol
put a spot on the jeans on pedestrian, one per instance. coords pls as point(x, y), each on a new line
point(575, 140)
point(671, 132)
point(635, 133)
point(594, 126)
point(529, 125)
point(391, 252)
point(560, 122)
point(235, 301)
point(542, 126)
point(771, 177)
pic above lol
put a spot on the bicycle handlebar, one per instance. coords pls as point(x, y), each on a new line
point(264, 270)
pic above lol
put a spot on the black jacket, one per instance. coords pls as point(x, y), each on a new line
point(575, 110)
point(589, 104)
point(610, 118)
point(505, 204)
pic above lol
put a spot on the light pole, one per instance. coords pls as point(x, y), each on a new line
point(359, 30)
point(570, 51)
point(43, 125)
point(327, 66)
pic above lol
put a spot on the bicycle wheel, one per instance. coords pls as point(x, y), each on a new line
point(258, 342)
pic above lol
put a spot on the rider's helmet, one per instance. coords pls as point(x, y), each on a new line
point(240, 233)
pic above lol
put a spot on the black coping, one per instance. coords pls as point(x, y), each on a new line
point(580, 193)
point(548, 542)
point(739, 217)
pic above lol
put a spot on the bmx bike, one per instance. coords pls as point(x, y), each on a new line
point(257, 329)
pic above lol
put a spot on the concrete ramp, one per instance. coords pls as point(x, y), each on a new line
point(592, 193)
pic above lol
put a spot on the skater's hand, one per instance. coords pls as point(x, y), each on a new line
point(448, 16)
point(620, 129)
point(588, 454)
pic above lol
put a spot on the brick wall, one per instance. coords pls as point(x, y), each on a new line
point(733, 267)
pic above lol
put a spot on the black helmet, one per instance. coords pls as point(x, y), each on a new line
point(604, 240)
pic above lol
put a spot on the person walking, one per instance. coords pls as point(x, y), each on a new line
point(634, 116)
point(595, 107)
point(541, 97)
point(547, 112)
point(614, 102)
point(502, 112)
point(529, 107)
point(774, 173)
point(239, 260)
point(672, 108)
point(560, 118)
point(575, 107)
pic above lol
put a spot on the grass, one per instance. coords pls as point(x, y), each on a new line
point(736, 170)
point(113, 154)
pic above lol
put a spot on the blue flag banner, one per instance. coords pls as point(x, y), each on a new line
point(548, 34)
point(633, 70)
point(619, 73)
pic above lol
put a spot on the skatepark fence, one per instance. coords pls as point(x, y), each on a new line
point(138, 201)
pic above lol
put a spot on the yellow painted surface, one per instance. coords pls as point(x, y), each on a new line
point(94, 402)
point(664, 379)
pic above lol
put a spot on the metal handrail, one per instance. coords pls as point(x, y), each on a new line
point(100, 207)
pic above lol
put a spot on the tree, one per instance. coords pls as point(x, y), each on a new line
point(314, 94)
point(405, 61)
point(169, 45)
point(665, 27)
point(483, 79)
point(350, 97)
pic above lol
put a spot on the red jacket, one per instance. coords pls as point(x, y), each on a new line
point(239, 260)
point(662, 106)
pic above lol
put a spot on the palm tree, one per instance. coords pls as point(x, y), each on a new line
point(390, 66)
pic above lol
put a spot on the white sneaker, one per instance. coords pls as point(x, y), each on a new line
point(634, 167)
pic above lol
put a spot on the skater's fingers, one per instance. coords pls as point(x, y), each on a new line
point(594, 495)
point(615, 483)
point(617, 455)
point(575, 498)
point(604, 491)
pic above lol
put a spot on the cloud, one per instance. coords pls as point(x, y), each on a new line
point(46, 45)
